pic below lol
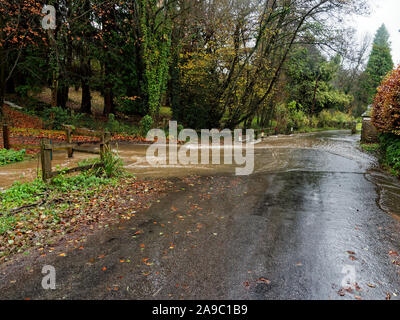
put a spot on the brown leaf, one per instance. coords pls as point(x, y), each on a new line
point(264, 280)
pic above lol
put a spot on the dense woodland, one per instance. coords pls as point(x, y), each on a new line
point(212, 63)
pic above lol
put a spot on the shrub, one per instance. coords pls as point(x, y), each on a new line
point(10, 156)
point(115, 126)
point(145, 125)
point(386, 106)
point(325, 118)
point(55, 117)
point(314, 122)
point(112, 124)
point(390, 145)
point(113, 166)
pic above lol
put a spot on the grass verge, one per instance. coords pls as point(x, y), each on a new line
point(11, 156)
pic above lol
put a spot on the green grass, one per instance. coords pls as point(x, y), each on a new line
point(20, 194)
point(370, 147)
point(11, 156)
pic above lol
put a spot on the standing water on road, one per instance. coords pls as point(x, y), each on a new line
point(274, 154)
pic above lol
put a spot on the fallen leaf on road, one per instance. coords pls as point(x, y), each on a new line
point(351, 252)
point(393, 253)
point(388, 296)
point(264, 280)
point(371, 285)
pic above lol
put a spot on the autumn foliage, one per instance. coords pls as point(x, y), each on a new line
point(386, 106)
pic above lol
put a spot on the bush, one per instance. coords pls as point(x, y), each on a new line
point(55, 117)
point(10, 156)
point(390, 146)
point(314, 122)
point(115, 126)
point(386, 106)
point(113, 166)
point(325, 118)
point(145, 125)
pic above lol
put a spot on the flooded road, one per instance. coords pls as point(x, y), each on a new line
point(316, 220)
point(275, 154)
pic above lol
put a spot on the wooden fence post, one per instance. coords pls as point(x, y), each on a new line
point(68, 133)
point(45, 156)
point(104, 144)
point(6, 136)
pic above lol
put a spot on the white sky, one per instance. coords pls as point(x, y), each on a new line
point(382, 11)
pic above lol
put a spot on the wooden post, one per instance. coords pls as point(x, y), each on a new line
point(45, 156)
point(6, 136)
point(68, 133)
point(105, 144)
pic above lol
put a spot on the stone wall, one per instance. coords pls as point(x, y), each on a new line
point(369, 134)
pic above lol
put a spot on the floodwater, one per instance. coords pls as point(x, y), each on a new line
point(273, 155)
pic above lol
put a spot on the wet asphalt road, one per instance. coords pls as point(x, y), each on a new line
point(283, 233)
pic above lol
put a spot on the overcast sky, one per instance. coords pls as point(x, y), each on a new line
point(387, 12)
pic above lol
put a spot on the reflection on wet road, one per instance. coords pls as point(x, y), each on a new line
point(316, 215)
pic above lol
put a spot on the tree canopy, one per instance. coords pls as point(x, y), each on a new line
point(215, 63)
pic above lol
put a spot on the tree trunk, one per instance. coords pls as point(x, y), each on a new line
point(109, 106)
point(107, 91)
point(62, 96)
point(2, 81)
point(315, 95)
point(86, 105)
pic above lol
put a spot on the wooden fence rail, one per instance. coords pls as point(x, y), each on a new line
point(46, 150)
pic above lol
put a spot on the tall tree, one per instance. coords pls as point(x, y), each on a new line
point(379, 64)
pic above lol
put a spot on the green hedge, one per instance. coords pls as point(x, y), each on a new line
point(390, 146)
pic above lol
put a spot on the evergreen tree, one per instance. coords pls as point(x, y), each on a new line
point(379, 64)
